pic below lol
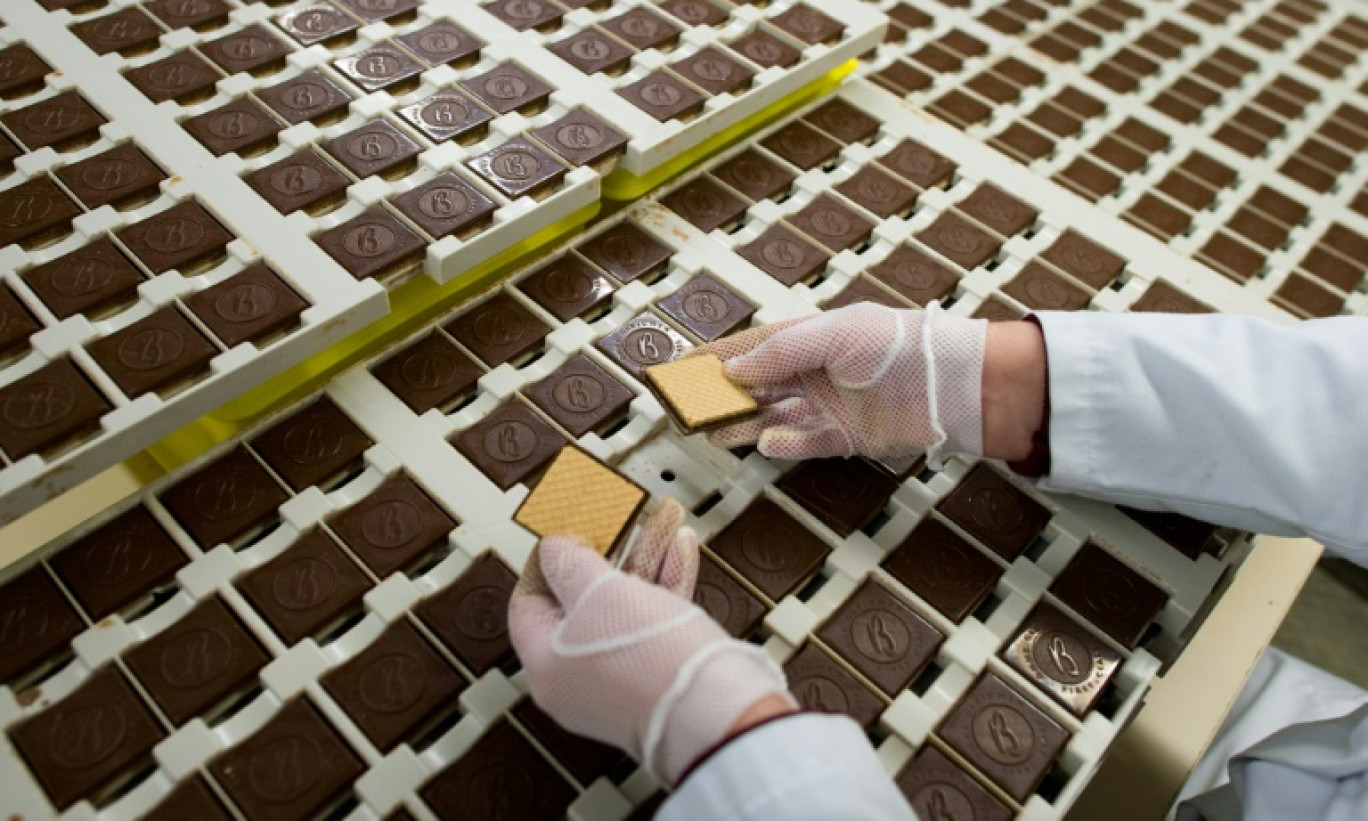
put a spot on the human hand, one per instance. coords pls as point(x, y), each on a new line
point(864, 379)
point(624, 656)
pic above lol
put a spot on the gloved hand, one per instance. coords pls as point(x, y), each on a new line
point(864, 379)
point(625, 657)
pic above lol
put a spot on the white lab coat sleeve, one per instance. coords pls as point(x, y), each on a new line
point(1233, 420)
point(808, 767)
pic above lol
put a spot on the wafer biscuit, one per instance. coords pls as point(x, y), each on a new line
point(580, 496)
point(698, 394)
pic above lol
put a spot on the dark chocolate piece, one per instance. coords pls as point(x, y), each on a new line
point(182, 76)
point(52, 405)
point(191, 800)
point(471, 616)
point(960, 241)
point(1062, 658)
point(253, 49)
point(770, 549)
point(642, 29)
point(38, 619)
point(479, 783)
point(1164, 298)
point(180, 237)
point(584, 758)
point(627, 252)
point(197, 662)
point(443, 43)
point(311, 96)
point(318, 23)
point(518, 169)
point(1083, 259)
point(156, 353)
point(115, 177)
point(754, 175)
point(821, 685)
point(301, 181)
point(568, 287)
point(447, 115)
point(306, 588)
point(882, 637)
point(499, 330)
point(509, 87)
point(249, 305)
point(726, 600)
point(960, 108)
point(832, 224)
point(802, 145)
point(918, 165)
point(863, 289)
point(375, 244)
point(510, 444)
point(995, 511)
point(1022, 143)
point(808, 24)
point(844, 494)
point(663, 97)
point(242, 126)
point(1041, 289)
point(432, 373)
point(695, 12)
point(1231, 257)
point(998, 210)
point(526, 14)
point(879, 192)
point(766, 50)
point(1155, 215)
point(59, 120)
point(844, 122)
point(312, 445)
point(916, 275)
point(88, 738)
point(394, 526)
point(933, 784)
point(1108, 593)
point(16, 323)
point(705, 204)
point(379, 67)
point(580, 138)
point(591, 51)
point(21, 71)
point(196, 14)
point(706, 307)
point(580, 395)
point(375, 149)
point(118, 563)
point(1188, 536)
point(394, 685)
point(1004, 735)
point(225, 499)
point(128, 32)
point(714, 72)
point(446, 205)
point(372, 11)
point(784, 255)
point(644, 341)
point(292, 768)
point(945, 570)
point(34, 211)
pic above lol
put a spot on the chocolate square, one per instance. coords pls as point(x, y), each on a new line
point(477, 784)
point(442, 43)
point(844, 494)
point(394, 685)
point(808, 24)
point(1041, 289)
point(879, 192)
point(945, 570)
point(306, 588)
point(770, 549)
point(663, 97)
point(251, 304)
point(844, 122)
point(509, 87)
point(34, 211)
point(883, 638)
point(916, 275)
point(695, 12)
point(784, 255)
point(1188, 536)
point(1022, 143)
point(311, 96)
point(118, 563)
point(375, 244)
point(526, 14)
point(16, 323)
point(1084, 260)
point(510, 444)
point(88, 738)
point(960, 109)
point(301, 181)
point(705, 204)
point(375, 149)
point(499, 330)
point(446, 205)
point(706, 307)
point(447, 115)
point(998, 210)
point(43, 618)
point(1164, 298)
point(580, 396)
point(918, 165)
point(156, 353)
point(1062, 658)
point(821, 685)
point(372, 11)
point(318, 23)
point(115, 177)
point(197, 662)
point(1104, 590)
point(642, 29)
point(225, 499)
point(754, 175)
point(714, 72)
point(57, 121)
point(42, 410)
point(518, 169)
point(580, 138)
point(568, 287)
point(197, 14)
point(960, 241)
point(253, 49)
point(379, 67)
point(644, 341)
point(765, 50)
point(180, 237)
point(192, 799)
point(802, 145)
point(832, 224)
point(1231, 257)
point(933, 783)
point(312, 445)
point(1004, 735)
point(242, 126)
point(293, 767)
point(431, 373)
point(627, 252)
point(901, 78)
point(591, 51)
point(128, 32)
point(471, 616)
point(394, 526)
point(863, 289)
point(21, 71)
point(584, 758)
point(726, 600)
point(995, 511)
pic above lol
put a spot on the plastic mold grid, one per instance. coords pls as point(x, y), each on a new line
point(1281, 211)
point(393, 439)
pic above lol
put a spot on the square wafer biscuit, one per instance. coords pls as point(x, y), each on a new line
point(698, 394)
point(581, 496)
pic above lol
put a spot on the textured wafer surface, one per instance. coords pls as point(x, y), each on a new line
point(698, 392)
point(582, 497)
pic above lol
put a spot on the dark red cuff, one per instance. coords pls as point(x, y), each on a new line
point(717, 748)
point(1037, 462)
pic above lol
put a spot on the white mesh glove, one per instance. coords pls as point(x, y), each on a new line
point(864, 379)
point(626, 657)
